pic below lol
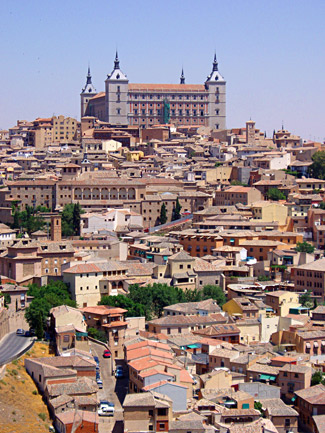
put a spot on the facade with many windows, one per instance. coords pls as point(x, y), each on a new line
point(145, 105)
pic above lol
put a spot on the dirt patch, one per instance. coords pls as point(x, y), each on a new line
point(22, 409)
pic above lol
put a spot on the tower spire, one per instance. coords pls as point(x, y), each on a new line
point(116, 62)
point(182, 77)
point(88, 76)
point(215, 63)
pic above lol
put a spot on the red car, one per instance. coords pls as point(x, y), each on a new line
point(107, 354)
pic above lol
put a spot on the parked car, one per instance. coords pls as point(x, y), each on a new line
point(107, 353)
point(119, 374)
point(97, 375)
point(20, 332)
point(96, 359)
point(106, 408)
point(99, 383)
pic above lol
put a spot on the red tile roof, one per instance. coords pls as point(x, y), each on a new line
point(172, 87)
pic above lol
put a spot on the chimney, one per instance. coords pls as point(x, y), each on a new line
point(56, 228)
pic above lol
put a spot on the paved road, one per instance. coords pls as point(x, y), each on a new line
point(11, 345)
point(113, 390)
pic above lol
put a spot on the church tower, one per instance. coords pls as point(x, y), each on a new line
point(116, 95)
point(216, 87)
point(87, 92)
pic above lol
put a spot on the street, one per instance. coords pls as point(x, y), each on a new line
point(11, 345)
point(114, 390)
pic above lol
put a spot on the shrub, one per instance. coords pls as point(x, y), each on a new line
point(42, 415)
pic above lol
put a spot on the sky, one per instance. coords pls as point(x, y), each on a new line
point(271, 53)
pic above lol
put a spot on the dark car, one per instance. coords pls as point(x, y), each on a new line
point(28, 334)
point(119, 374)
point(107, 353)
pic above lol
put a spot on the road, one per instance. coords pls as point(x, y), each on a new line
point(113, 390)
point(11, 345)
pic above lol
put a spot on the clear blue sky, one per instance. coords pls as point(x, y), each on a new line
point(270, 52)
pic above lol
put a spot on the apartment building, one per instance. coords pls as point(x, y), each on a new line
point(147, 412)
point(111, 321)
point(310, 276)
point(237, 194)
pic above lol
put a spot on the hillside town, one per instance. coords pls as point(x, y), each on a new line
point(175, 270)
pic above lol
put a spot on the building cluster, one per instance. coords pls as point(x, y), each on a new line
point(170, 196)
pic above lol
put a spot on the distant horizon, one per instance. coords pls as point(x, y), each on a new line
point(268, 53)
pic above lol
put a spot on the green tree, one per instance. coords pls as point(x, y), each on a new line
point(304, 247)
point(53, 294)
point(317, 378)
point(177, 211)
point(306, 300)
point(163, 214)
point(322, 205)
point(7, 299)
point(98, 334)
point(275, 194)
point(263, 278)
point(214, 292)
point(317, 169)
point(258, 406)
point(27, 219)
point(71, 219)
point(133, 309)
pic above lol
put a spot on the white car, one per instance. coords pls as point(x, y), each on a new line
point(106, 409)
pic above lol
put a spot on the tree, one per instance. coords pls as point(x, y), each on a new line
point(133, 309)
point(263, 278)
point(177, 211)
point(306, 300)
point(322, 205)
point(27, 219)
point(163, 214)
point(304, 247)
point(7, 299)
point(97, 334)
point(317, 169)
point(53, 294)
point(71, 219)
point(275, 194)
point(258, 406)
point(317, 378)
point(214, 292)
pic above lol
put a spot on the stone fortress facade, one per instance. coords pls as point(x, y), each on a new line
point(145, 105)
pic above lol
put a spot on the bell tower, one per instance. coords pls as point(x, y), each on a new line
point(87, 92)
point(56, 228)
point(215, 84)
point(116, 95)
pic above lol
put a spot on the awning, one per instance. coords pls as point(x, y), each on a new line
point(315, 344)
point(267, 377)
point(294, 399)
point(307, 345)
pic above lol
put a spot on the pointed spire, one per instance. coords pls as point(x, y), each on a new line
point(215, 63)
point(182, 77)
point(88, 76)
point(116, 62)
